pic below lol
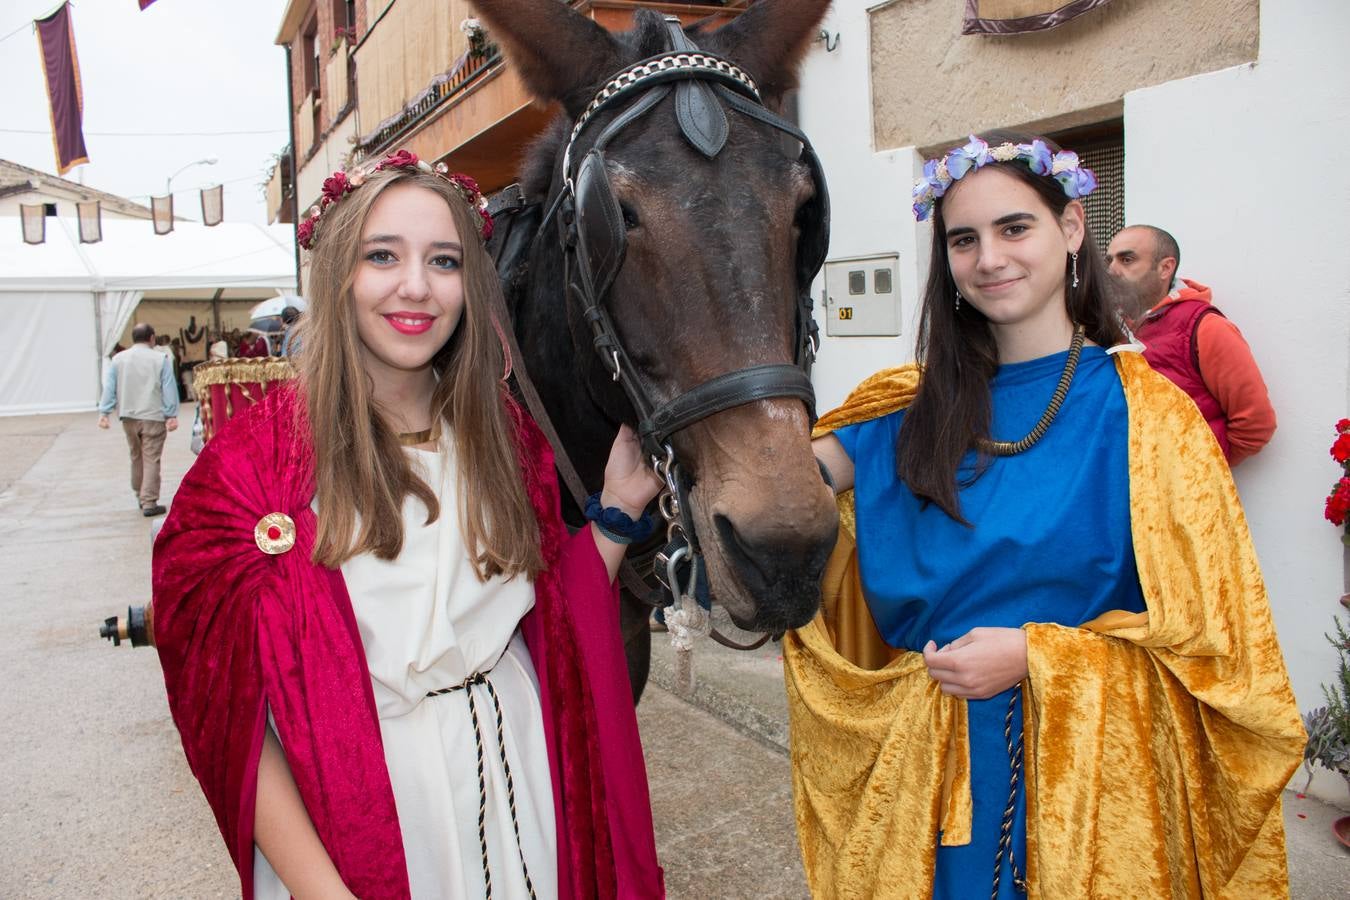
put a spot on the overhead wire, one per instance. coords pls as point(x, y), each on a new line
point(46, 131)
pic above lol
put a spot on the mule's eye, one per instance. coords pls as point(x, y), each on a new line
point(800, 219)
point(630, 216)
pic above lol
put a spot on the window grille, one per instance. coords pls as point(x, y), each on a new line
point(1105, 206)
point(1101, 148)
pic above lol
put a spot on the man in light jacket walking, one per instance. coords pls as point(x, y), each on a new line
point(140, 385)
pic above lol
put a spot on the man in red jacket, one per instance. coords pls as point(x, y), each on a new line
point(1190, 341)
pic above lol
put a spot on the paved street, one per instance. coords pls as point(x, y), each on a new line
point(98, 798)
point(99, 801)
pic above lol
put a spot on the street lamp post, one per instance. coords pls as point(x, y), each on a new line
point(209, 161)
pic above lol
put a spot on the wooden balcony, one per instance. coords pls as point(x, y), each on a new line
point(304, 127)
point(281, 189)
point(335, 81)
point(480, 119)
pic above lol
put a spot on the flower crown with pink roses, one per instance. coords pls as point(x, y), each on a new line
point(938, 174)
point(340, 184)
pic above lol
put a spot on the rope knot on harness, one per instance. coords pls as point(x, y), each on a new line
point(686, 620)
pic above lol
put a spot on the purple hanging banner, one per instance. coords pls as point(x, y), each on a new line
point(56, 41)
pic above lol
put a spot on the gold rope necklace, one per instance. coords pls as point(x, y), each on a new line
point(1011, 448)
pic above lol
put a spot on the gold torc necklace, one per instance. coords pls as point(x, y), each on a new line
point(1011, 448)
point(413, 438)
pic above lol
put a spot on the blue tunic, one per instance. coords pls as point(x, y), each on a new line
point(1050, 542)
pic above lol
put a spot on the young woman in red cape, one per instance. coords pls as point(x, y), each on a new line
point(394, 672)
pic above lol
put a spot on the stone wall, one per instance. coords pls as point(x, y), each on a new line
point(932, 85)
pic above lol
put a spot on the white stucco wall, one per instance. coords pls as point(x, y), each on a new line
point(1250, 168)
point(869, 194)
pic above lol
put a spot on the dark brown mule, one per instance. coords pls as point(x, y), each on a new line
point(708, 286)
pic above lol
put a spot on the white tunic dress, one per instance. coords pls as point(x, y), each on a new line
point(427, 623)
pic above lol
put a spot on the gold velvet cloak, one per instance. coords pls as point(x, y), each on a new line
point(1157, 743)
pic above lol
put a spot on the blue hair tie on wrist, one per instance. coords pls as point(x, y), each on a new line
point(616, 524)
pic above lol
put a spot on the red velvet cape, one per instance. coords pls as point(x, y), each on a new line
point(239, 631)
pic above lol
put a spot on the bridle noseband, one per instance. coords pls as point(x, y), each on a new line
point(593, 235)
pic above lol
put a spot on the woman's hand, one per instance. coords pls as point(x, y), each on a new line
point(982, 663)
point(630, 484)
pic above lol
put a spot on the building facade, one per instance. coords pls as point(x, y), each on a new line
point(371, 76)
point(22, 186)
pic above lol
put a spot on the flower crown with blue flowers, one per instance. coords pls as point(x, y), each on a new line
point(938, 174)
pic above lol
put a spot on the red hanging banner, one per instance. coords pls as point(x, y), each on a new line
point(61, 68)
point(161, 211)
point(145, 3)
point(33, 218)
point(213, 205)
point(91, 221)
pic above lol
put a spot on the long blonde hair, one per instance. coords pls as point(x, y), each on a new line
point(360, 466)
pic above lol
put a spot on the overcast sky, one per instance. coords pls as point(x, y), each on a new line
point(179, 66)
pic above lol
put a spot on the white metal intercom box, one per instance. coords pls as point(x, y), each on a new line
point(862, 296)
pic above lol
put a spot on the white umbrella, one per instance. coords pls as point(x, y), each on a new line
point(274, 306)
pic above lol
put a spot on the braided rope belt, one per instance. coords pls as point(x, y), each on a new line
point(465, 686)
point(1005, 841)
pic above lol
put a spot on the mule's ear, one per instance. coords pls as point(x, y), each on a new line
point(769, 39)
point(560, 54)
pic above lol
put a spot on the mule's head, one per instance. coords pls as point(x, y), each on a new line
point(709, 283)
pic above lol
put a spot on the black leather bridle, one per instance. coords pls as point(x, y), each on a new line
point(591, 228)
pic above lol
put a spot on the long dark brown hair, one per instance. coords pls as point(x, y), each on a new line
point(362, 474)
point(958, 353)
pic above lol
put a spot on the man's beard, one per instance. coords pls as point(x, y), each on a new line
point(1137, 297)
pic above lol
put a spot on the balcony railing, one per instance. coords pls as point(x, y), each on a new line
point(444, 88)
point(471, 70)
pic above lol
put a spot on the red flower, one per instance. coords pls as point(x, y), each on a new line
point(1343, 426)
point(304, 235)
point(336, 186)
point(1340, 451)
point(487, 224)
point(467, 183)
point(1338, 503)
point(403, 159)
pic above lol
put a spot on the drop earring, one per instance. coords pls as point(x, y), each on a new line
point(958, 298)
point(1074, 257)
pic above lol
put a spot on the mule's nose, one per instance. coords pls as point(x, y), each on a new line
point(780, 566)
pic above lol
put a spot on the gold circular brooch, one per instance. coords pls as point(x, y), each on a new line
point(275, 533)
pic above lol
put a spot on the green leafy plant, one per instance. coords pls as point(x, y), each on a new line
point(1329, 726)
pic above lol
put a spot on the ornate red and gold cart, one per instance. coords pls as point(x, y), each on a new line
point(225, 387)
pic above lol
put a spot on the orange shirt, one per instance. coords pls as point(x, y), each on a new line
point(1231, 375)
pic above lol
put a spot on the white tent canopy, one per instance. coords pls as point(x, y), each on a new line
point(63, 304)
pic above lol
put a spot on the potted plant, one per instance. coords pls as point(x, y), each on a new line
point(341, 36)
point(477, 35)
point(1337, 510)
point(1329, 726)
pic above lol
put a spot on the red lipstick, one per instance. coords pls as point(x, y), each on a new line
point(410, 322)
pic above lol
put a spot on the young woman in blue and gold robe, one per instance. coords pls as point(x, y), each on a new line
point(1045, 663)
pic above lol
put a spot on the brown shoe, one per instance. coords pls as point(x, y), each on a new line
point(151, 511)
